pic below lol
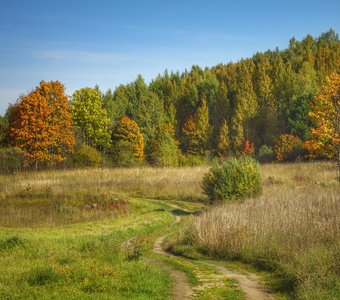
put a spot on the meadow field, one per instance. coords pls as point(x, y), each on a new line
point(292, 230)
point(62, 232)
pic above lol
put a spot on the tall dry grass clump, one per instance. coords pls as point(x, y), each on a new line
point(161, 183)
point(293, 229)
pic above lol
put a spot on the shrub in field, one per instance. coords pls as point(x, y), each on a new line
point(86, 156)
point(288, 148)
point(235, 178)
point(265, 154)
point(10, 160)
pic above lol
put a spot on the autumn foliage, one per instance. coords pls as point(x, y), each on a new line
point(287, 147)
point(211, 112)
point(129, 131)
point(41, 124)
point(196, 131)
point(249, 148)
point(325, 115)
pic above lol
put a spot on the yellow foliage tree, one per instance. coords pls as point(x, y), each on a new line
point(128, 130)
point(325, 115)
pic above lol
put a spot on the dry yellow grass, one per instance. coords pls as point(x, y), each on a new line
point(294, 227)
point(63, 196)
point(160, 183)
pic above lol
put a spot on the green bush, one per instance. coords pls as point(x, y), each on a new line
point(86, 156)
point(265, 154)
point(10, 160)
point(234, 179)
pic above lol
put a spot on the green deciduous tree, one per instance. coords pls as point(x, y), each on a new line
point(91, 118)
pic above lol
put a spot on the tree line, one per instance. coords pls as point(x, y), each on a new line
point(265, 105)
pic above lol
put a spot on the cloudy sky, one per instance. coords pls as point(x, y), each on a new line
point(83, 43)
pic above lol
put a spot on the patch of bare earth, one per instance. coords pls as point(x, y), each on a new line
point(181, 288)
point(249, 283)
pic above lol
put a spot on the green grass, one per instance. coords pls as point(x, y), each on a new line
point(229, 291)
point(86, 260)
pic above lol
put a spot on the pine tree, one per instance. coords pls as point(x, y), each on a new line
point(196, 131)
point(237, 133)
point(267, 115)
point(223, 146)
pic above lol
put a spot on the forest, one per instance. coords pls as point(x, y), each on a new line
point(278, 104)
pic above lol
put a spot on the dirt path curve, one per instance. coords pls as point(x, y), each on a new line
point(182, 289)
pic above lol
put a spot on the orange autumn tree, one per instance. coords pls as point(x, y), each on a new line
point(248, 148)
point(325, 115)
point(41, 124)
point(128, 130)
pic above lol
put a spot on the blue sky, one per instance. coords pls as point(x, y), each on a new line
point(83, 43)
